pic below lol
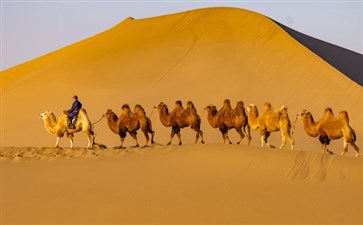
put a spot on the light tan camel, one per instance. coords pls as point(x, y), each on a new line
point(126, 123)
point(144, 123)
point(329, 128)
point(58, 126)
point(227, 118)
point(271, 121)
point(180, 118)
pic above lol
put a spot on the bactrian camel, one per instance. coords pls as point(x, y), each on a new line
point(271, 121)
point(227, 118)
point(329, 128)
point(58, 126)
point(180, 118)
point(129, 122)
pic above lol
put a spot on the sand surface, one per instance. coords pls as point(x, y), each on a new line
point(191, 184)
point(205, 56)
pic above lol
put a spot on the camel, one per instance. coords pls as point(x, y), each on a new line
point(329, 128)
point(180, 118)
point(227, 118)
point(271, 121)
point(58, 126)
point(126, 123)
point(145, 123)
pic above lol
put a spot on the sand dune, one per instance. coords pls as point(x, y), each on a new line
point(203, 55)
point(206, 56)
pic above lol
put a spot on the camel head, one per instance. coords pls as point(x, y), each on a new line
point(267, 105)
point(110, 114)
point(251, 108)
point(303, 115)
point(162, 107)
point(47, 115)
point(210, 109)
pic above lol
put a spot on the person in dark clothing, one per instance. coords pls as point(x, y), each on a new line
point(73, 112)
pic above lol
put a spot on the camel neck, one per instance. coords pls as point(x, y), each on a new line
point(164, 118)
point(212, 117)
point(310, 126)
point(253, 120)
point(50, 125)
point(112, 124)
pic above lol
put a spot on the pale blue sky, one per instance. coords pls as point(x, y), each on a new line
point(30, 29)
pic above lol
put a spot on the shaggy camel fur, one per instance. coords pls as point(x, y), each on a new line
point(329, 128)
point(227, 118)
point(144, 123)
point(271, 121)
point(58, 126)
point(180, 118)
point(126, 123)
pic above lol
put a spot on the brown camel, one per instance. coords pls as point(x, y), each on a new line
point(180, 118)
point(126, 123)
point(271, 121)
point(329, 128)
point(227, 118)
point(145, 123)
point(58, 126)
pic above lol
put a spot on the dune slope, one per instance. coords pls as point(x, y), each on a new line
point(203, 55)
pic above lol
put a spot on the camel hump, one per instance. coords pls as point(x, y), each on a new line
point(125, 107)
point(240, 108)
point(227, 103)
point(140, 109)
point(343, 115)
point(328, 115)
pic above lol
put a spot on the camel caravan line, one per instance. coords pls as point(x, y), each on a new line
point(242, 119)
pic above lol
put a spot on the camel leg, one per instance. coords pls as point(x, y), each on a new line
point(292, 141)
point(57, 142)
point(196, 137)
point(227, 138)
point(345, 147)
point(179, 136)
point(122, 142)
point(171, 136)
point(242, 135)
point(90, 140)
point(70, 137)
point(283, 140)
point(201, 135)
point(264, 136)
point(152, 136)
point(147, 138)
point(356, 148)
point(248, 134)
point(133, 135)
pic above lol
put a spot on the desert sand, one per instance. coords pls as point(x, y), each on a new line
point(206, 56)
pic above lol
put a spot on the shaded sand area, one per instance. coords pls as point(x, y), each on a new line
point(189, 184)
